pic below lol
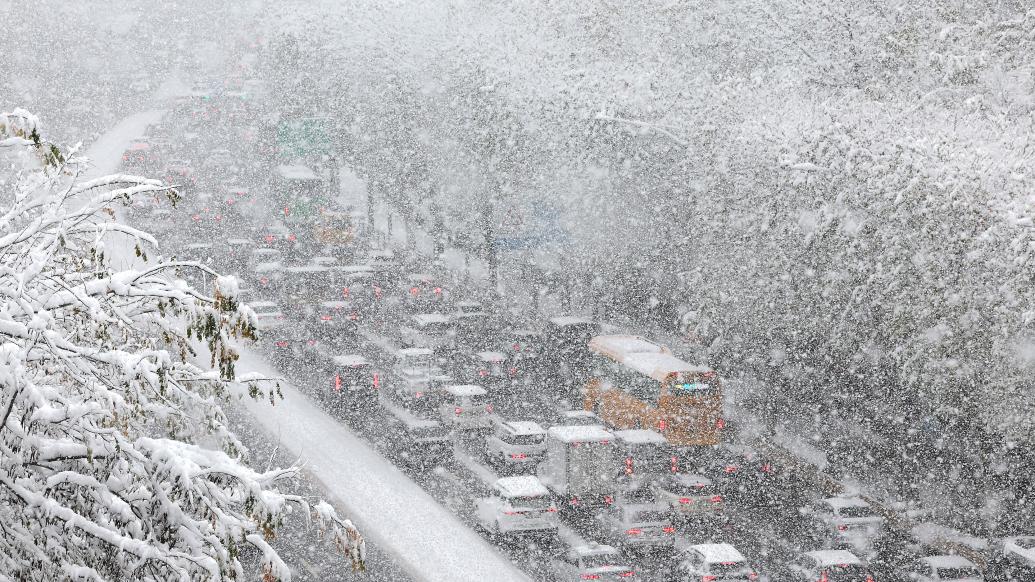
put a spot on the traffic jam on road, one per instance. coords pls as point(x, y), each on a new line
point(583, 451)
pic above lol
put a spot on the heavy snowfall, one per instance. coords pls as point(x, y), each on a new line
point(552, 290)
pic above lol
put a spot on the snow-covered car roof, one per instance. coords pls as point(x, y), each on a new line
point(464, 390)
point(414, 352)
point(328, 261)
point(834, 557)
point(594, 550)
point(839, 502)
point(309, 269)
point(566, 320)
point(947, 561)
point(239, 242)
point(491, 356)
point(420, 277)
point(521, 486)
point(523, 427)
point(198, 246)
point(336, 304)
point(261, 305)
point(350, 360)
point(628, 344)
point(690, 479)
point(430, 318)
point(641, 436)
point(261, 252)
point(581, 417)
point(294, 172)
point(718, 552)
point(271, 266)
point(659, 366)
point(582, 433)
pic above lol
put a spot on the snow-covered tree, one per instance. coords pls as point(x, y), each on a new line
point(115, 457)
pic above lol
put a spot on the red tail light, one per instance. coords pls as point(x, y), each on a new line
point(345, 292)
point(675, 464)
point(292, 237)
point(337, 382)
point(842, 527)
point(513, 371)
point(731, 468)
point(281, 344)
point(662, 425)
point(634, 531)
point(869, 578)
point(377, 292)
point(668, 529)
point(377, 382)
point(354, 316)
point(418, 395)
point(685, 500)
point(483, 373)
point(264, 280)
point(591, 576)
point(438, 290)
point(720, 423)
point(823, 577)
point(458, 410)
point(287, 211)
point(707, 578)
point(716, 499)
point(311, 342)
point(628, 466)
point(326, 318)
point(767, 468)
point(754, 576)
point(551, 509)
point(196, 217)
point(414, 291)
point(125, 157)
point(628, 574)
point(608, 500)
point(269, 238)
point(488, 408)
point(518, 456)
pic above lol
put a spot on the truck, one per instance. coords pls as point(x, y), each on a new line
point(580, 466)
point(646, 456)
point(413, 438)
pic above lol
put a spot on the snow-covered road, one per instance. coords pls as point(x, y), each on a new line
point(391, 510)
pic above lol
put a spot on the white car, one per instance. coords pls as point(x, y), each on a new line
point(708, 562)
point(593, 562)
point(416, 372)
point(516, 443)
point(517, 505)
point(833, 565)
point(465, 407)
point(945, 569)
point(268, 315)
point(427, 330)
point(688, 494)
point(638, 525)
point(849, 522)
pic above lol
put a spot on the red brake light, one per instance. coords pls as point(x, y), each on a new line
point(551, 509)
point(281, 344)
point(264, 280)
point(325, 318)
point(513, 371)
point(292, 237)
point(685, 500)
point(377, 382)
point(731, 468)
point(716, 499)
point(662, 425)
point(754, 576)
point(518, 455)
point(628, 466)
point(634, 531)
point(591, 576)
point(675, 464)
point(417, 395)
point(414, 291)
point(720, 423)
point(707, 578)
point(628, 574)
point(823, 577)
point(869, 578)
point(483, 373)
point(488, 408)
point(311, 342)
point(458, 410)
point(842, 527)
point(668, 529)
point(196, 217)
point(354, 316)
point(767, 468)
point(345, 292)
point(337, 382)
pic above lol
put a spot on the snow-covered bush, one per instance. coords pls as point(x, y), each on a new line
point(115, 457)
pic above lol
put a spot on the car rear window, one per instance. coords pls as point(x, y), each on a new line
point(853, 511)
point(729, 569)
point(958, 573)
point(524, 439)
point(649, 516)
point(530, 502)
point(847, 573)
point(599, 561)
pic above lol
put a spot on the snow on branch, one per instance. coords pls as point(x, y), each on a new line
point(107, 463)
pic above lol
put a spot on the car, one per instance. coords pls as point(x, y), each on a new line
point(592, 562)
point(846, 522)
point(274, 333)
point(708, 562)
point(944, 569)
point(465, 407)
point(416, 371)
point(337, 320)
point(268, 278)
point(414, 439)
point(485, 367)
point(517, 505)
point(422, 293)
point(354, 383)
point(638, 525)
point(688, 494)
point(739, 471)
point(829, 566)
point(515, 443)
point(427, 330)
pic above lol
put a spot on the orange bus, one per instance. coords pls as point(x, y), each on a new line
point(636, 383)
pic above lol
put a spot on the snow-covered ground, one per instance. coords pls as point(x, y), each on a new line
point(389, 508)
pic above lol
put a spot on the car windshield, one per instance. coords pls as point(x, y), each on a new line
point(856, 511)
point(958, 573)
point(695, 489)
